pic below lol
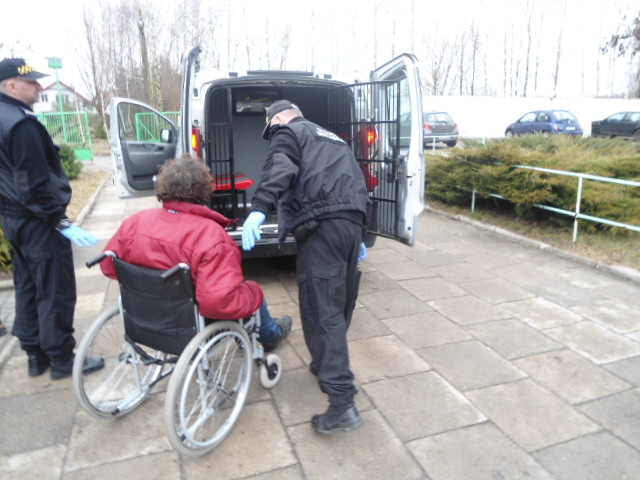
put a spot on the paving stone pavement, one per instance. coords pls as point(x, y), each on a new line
point(475, 357)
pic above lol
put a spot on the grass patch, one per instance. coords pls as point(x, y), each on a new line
point(607, 246)
point(83, 187)
point(101, 147)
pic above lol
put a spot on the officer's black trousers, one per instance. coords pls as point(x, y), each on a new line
point(328, 277)
point(45, 287)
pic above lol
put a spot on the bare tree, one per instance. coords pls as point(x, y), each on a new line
point(529, 20)
point(556, 73)
point(627, 44)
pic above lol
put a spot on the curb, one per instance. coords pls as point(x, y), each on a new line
point(8, 284)
point(620, 271)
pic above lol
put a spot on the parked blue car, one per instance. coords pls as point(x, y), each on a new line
point(545, 122)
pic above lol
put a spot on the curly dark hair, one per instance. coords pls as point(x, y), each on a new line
point(185, 179)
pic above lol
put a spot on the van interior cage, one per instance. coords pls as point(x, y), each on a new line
point(367, 117)
point(227, 198)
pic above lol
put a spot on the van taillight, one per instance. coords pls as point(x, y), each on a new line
point(196, 141)
point(427, 126)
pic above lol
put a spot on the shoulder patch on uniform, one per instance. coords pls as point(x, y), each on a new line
point(327, 134)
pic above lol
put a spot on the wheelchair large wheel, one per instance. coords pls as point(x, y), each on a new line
point(208, 388)
point(124, 382)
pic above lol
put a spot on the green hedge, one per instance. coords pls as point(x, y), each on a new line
point(489, 168)
point(73, 167)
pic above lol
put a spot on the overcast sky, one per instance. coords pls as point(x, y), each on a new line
point(44, 28)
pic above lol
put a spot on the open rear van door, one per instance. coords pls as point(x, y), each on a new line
point(382, 121)
point(142, 139)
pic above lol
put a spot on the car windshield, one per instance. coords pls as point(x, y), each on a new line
point(438, 117)
point(562, 116)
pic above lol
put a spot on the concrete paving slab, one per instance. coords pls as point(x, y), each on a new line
point(385, 255)
point(159, 466)
point(462, 272)
point(372, 282)
point(477, 452)
point(364, 324)
point(615, 315)
point(28, 422)
point(432, 288)
point(571, 376)
point(532, 416)
point(426, 330)
point(383, 305)
point(372, 451)
point(487, 368)
point(592, 457)
point(628, 369)
point(512, 338)
point(567, 295)
point(15, 381)
point(422, 404)
point(405, 270)
point(595, 342)
point(89, 305)
point(289, 473)
point(618, 413)
point(469, 309)
point(43, 464)
point(258, 443)
point(433, 258)
point(96, 441)
point(541, 313)
point(523, 275)
point(496, 291)
point(383, 357)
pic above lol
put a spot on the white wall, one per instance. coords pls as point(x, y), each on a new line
point(489, 116)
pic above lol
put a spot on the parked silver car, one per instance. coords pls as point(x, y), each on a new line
point(439, 127)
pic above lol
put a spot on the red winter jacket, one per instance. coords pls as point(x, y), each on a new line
point(193, 234)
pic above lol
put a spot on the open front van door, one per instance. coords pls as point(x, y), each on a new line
point(382, 121)
point(190, 135)
point(142, 139)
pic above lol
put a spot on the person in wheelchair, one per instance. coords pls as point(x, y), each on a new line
point(186, 230)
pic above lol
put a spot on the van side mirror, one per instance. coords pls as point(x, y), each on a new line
point(166, 135)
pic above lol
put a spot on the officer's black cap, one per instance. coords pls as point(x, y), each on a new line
point(275, 108)
point(17, 67)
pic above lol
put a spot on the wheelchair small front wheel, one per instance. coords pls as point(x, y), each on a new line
point(270, 371)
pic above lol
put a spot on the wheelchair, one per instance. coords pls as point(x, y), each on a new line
point(156, 330)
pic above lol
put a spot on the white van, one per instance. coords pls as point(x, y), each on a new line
point(221, 122)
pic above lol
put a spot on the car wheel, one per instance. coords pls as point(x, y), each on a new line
point(545, 133)
point(452, 144)
point(508, 133)
point(636, 136)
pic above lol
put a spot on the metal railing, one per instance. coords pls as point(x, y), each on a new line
point(70, 128)
point(576, 214)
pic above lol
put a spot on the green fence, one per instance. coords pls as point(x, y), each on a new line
point(71, 128)
point(149, 125)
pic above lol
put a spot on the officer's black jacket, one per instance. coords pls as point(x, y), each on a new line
point(32, 180)
point(309, 173)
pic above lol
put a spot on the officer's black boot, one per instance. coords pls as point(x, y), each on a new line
point(38, 364)
point(337, 417)
point(64, 369)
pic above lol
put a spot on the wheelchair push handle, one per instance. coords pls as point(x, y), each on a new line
point(99, 258)
point(173, 270)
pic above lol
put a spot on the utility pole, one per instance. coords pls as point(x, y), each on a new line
point(145, 59)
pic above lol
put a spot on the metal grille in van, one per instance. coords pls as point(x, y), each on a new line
point(367, 117)
point(230, 202)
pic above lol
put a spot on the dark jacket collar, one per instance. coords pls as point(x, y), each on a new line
point(9, 99)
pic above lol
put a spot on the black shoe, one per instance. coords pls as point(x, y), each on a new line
point(285, 323)
point(313, 369)
point(38, 364)
point(65, 369)
point(335, 418)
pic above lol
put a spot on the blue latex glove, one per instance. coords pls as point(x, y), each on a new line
point(79, 236)
point(251, 230)
point(363, 252)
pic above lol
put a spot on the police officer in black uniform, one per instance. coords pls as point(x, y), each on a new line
point(312, 177)
point(34, 194)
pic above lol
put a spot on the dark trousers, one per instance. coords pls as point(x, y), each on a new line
point(328, 277)
point(45, 287)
